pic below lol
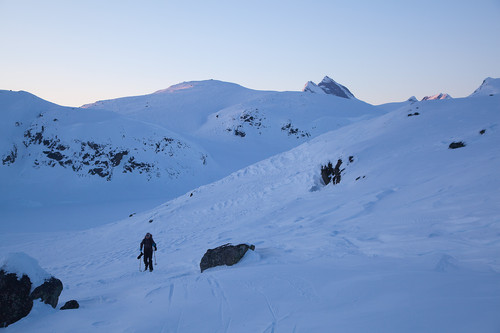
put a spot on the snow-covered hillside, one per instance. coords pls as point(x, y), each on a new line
point(54, 158)
point(405, 241)
point(157, 146)
point(240, 126)
point(489, 87)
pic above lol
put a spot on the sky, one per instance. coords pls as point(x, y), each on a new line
point(76, 52)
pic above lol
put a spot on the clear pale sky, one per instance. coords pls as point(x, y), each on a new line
point(75, 52)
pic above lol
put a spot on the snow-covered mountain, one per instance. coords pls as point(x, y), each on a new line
point(412, 99)
point(328, 86)
point(489, 87)
point(89, 142)
point(54, 157)
point(239, 126)
point(436, 97)
point(158, 145)
point(404, 240)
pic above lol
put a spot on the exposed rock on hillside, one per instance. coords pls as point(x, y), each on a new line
point(224, 255)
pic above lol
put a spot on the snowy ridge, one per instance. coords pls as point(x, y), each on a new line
point(490, 86)
point(436, 97)
point(312, 88)
point(89, 142)
point(330, 87)
point(406, 241)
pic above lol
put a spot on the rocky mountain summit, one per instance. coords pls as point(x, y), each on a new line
point(328, 86)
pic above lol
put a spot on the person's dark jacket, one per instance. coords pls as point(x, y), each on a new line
point(148, 244)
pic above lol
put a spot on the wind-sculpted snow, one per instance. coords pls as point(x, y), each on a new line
point(407, 241)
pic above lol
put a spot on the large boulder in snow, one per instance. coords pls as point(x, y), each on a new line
point(73, 304)
point(224, 255)
point(15, 300)
point(49, 291)
point(22, 280)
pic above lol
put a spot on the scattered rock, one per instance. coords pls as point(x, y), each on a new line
point(131, 215)
point(224, 255)
point(291, 130)
point(11, 157)
point(73, 304)
point(237, 132)
point(151, 221)
point(482, 131)
point(455, 145)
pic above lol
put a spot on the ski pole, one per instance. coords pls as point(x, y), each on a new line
point(139, 265)
point(155, 257)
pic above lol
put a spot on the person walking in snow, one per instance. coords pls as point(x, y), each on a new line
point(148, 244)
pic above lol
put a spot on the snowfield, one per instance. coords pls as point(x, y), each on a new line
point(407, 241)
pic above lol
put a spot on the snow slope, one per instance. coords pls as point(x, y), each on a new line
point(55, 158)
point(227, 119)
point(137, 152)
point(490, 86)
point(406, 242)
point(183, 107)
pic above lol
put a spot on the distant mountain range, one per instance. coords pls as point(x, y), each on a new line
point(167, 142)
point(362, 218)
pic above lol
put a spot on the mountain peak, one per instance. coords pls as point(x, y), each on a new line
point(435, 97)
point(312, 88)
point(490, 86)
point(412, 99)
point(330, 87)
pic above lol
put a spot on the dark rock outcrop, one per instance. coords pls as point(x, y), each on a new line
point(455, 145)
point(224, 255)
point(15, 300)
point(73, 304)
point(331, 174)
point(49, 291)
